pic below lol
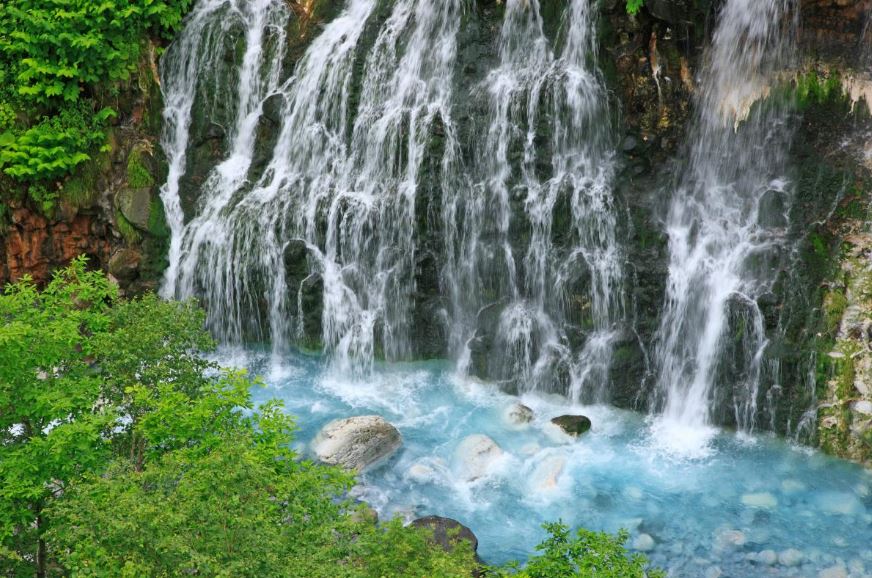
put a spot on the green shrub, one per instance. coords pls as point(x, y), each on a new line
point(57, 57)
point(60, 47)
point(582, 555)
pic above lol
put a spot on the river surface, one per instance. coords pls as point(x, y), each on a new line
point(735, 505)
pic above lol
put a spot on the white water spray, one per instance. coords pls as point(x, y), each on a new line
point(722, 235)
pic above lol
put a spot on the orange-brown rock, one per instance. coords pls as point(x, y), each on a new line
point(35, 245)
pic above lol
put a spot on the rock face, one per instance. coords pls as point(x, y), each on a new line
point(475, 456)
point(36, 245)
point(574, 425)
point(447, 532)
point(356, 443)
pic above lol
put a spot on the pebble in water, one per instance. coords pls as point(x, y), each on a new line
point(790, 557)
point(421, 473)
point(730, 539)
point(833, 572)
point(792, 486)
point(767, 557)
point(714, 572)
point(760, 500)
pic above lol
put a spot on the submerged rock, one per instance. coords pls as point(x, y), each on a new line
point(447, 532)
point(476, 455)
point(643, 543)
point(519, 414)
point(760, 500)
point(356, 443)
point(729, 539)
point(574, 425)
point(767, 557)
point(837, 571)
point(547, 474)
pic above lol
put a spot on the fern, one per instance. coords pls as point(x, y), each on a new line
point(633, 6)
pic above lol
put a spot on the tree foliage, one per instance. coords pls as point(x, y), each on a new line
point(126, 453)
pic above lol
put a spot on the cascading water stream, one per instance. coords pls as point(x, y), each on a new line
point(340, 186)
point(536, 289)
point(186, 69)
point(343, 192)
point(724, 226)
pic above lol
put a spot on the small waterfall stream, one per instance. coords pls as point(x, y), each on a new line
point(726, 224)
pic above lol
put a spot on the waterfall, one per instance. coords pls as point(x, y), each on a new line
point(317, 195)
point(338, 189)
point(536, 291)
point(726, 224)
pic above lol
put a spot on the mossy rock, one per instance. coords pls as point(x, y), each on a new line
point(140, 169)
point(574, 425)
point(135, 205)
point(124, 264)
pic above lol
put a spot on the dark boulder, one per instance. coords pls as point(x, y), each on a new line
point(574, 425)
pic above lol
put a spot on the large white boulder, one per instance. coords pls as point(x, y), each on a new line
point(475, 456)
point(356, 443)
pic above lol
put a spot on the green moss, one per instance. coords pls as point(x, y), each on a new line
point(811, 88)
point(127, 230)
point(157, 223)
point(81, 190)
point(138, 175)
point(834, 305)
point(845, 371)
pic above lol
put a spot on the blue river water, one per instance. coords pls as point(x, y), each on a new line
point(731, 506)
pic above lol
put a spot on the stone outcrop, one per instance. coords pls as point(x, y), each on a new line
point(845, 404)
point(356, 443)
